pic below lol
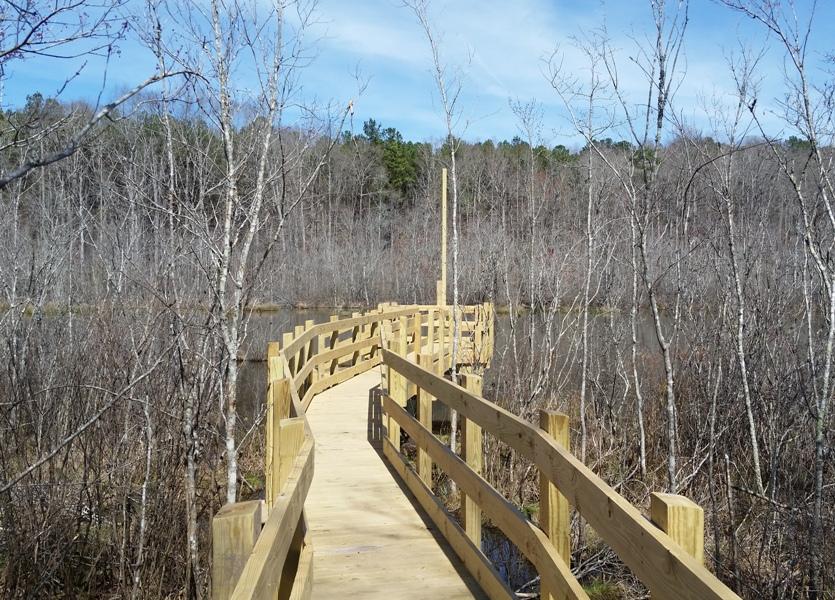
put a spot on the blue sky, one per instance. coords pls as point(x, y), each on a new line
point(499, 47)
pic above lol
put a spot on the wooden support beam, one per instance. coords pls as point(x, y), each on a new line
point(235, 529)
point(554, 512)
point(681, 519)
point(472, 446)
point(424, 410)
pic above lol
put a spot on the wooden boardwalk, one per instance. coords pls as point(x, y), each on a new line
point(345, 511)
point(370, 537)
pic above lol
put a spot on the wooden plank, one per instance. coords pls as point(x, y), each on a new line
point(470, 553)
point(371, 539)
point(338, 378)
point(259, 579)
point(661, 564)
point(235, 529)
point(554, 515)
point(682, 519)
point(525, 535)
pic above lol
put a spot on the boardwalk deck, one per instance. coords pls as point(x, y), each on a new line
point(371, 539)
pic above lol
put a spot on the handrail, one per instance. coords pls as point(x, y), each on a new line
point(655, 558)
point(277, 560)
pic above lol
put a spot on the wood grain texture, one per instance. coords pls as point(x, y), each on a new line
point(370, 539)
point(682, 519)
point(261, 575)
point(235, 529)
point(661, 564)
point(530, 540)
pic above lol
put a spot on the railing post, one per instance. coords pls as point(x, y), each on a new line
point(424, 406)
point(275, 369)
point(417, 332)
point(442, 337)
point(235, 529)
point(681, 519)
point(279, 400)
point(478, 335)
point(311, 348)
point(321, 346)
point(334, 341)
point(472, 446)
point(554, 516)
point(286, 340)
point(300, 360)
point(355, 337)
point(430, 331)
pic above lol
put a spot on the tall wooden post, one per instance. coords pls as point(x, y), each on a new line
point(554, 516)
point(681, 519)
point(441, 291)
point(275, 370)
point(425, 417)
point(472, 446)
point(279, 400)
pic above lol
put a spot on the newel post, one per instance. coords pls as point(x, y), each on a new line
point(235, 528)
point(681, 519)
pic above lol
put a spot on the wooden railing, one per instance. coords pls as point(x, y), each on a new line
point(261, 548)
point(666, 553)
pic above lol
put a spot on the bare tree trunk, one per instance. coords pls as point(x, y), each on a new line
point(633, 319)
